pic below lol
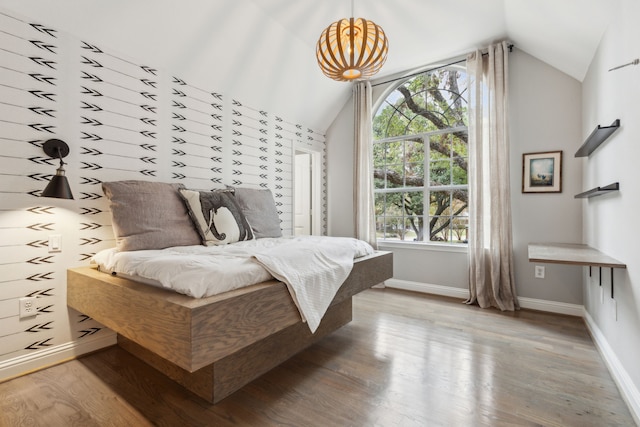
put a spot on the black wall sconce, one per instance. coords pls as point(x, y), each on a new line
point(58, 187)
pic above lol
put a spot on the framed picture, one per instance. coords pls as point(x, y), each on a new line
point(542, 172)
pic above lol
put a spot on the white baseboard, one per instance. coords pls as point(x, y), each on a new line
point(28, 363)
point(628, 390)
point(551, 306)
point(449, 291)
point(427, 288)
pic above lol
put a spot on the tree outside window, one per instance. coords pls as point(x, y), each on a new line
point(420, 159)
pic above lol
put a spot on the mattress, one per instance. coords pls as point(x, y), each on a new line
point(313, 268)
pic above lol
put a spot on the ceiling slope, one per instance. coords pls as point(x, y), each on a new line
point(263, 51)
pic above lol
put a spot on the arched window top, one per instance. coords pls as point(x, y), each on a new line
point(431, 101)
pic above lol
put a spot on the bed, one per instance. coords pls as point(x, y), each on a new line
point(216, 344)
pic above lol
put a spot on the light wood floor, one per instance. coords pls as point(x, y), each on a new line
point(406, 359)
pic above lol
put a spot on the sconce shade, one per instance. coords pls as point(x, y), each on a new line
point(58, 187)
point(351, 49)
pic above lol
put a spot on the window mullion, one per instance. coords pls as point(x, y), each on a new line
point(403, 211)
point(426, 196)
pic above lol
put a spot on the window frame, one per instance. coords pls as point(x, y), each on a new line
point(426, 189)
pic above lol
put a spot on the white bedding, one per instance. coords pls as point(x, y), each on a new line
point(313, 268)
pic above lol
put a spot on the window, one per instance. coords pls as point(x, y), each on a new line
point(420, 159)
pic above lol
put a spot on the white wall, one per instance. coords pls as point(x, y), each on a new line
point(611, 221)
point(122, 119)
point(544, 116)
point(340, 164)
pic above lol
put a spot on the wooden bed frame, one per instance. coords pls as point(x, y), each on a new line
point(213, 346)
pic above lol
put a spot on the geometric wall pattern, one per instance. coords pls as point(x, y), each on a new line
point(122, 120)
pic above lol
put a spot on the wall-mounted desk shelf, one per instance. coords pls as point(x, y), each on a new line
point(573, 254)
point(599, 191)
point(570, 253)
point(597, 137)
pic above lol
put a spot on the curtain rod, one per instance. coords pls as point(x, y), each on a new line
point(509, 46)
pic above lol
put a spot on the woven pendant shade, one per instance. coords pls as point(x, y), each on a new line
point(351, 49)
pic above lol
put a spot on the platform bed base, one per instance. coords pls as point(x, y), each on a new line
point(218, 380)
point(213, 346)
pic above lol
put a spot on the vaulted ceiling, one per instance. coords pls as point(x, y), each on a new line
point(563, 33)
point(263, 51)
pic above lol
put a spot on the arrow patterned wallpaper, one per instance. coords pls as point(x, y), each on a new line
point(121, 120)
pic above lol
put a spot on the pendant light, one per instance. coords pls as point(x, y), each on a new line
point(352, 49)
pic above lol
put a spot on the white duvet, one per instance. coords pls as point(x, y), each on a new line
point(313, 268)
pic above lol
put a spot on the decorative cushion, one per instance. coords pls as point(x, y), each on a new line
point(259, 207)
point(217, 216)
point(148, 215)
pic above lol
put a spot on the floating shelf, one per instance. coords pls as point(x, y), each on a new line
point(573, 254)
point(597, 137)
point(598, 191)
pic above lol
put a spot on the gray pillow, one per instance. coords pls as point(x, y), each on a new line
point(149, 215)
point(217, 216)
point(259, 207)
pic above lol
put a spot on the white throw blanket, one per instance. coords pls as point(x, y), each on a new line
point(312, 267)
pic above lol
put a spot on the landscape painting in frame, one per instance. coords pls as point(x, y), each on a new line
point(542, 172)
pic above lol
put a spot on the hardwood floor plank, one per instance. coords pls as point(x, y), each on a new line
point(406, 360)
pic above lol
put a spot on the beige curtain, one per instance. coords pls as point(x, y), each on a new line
point(491, 276)
point(365, 221)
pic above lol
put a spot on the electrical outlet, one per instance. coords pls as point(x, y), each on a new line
point(28, 307)
point(55, 243)
point(539, 272)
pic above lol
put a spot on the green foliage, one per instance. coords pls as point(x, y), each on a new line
point(426, 103)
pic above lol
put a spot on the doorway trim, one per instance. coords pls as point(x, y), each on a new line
point(316, 151)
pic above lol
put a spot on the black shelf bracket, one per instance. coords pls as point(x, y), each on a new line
point(611, 283)
point(600, 278)
point(597, 137)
